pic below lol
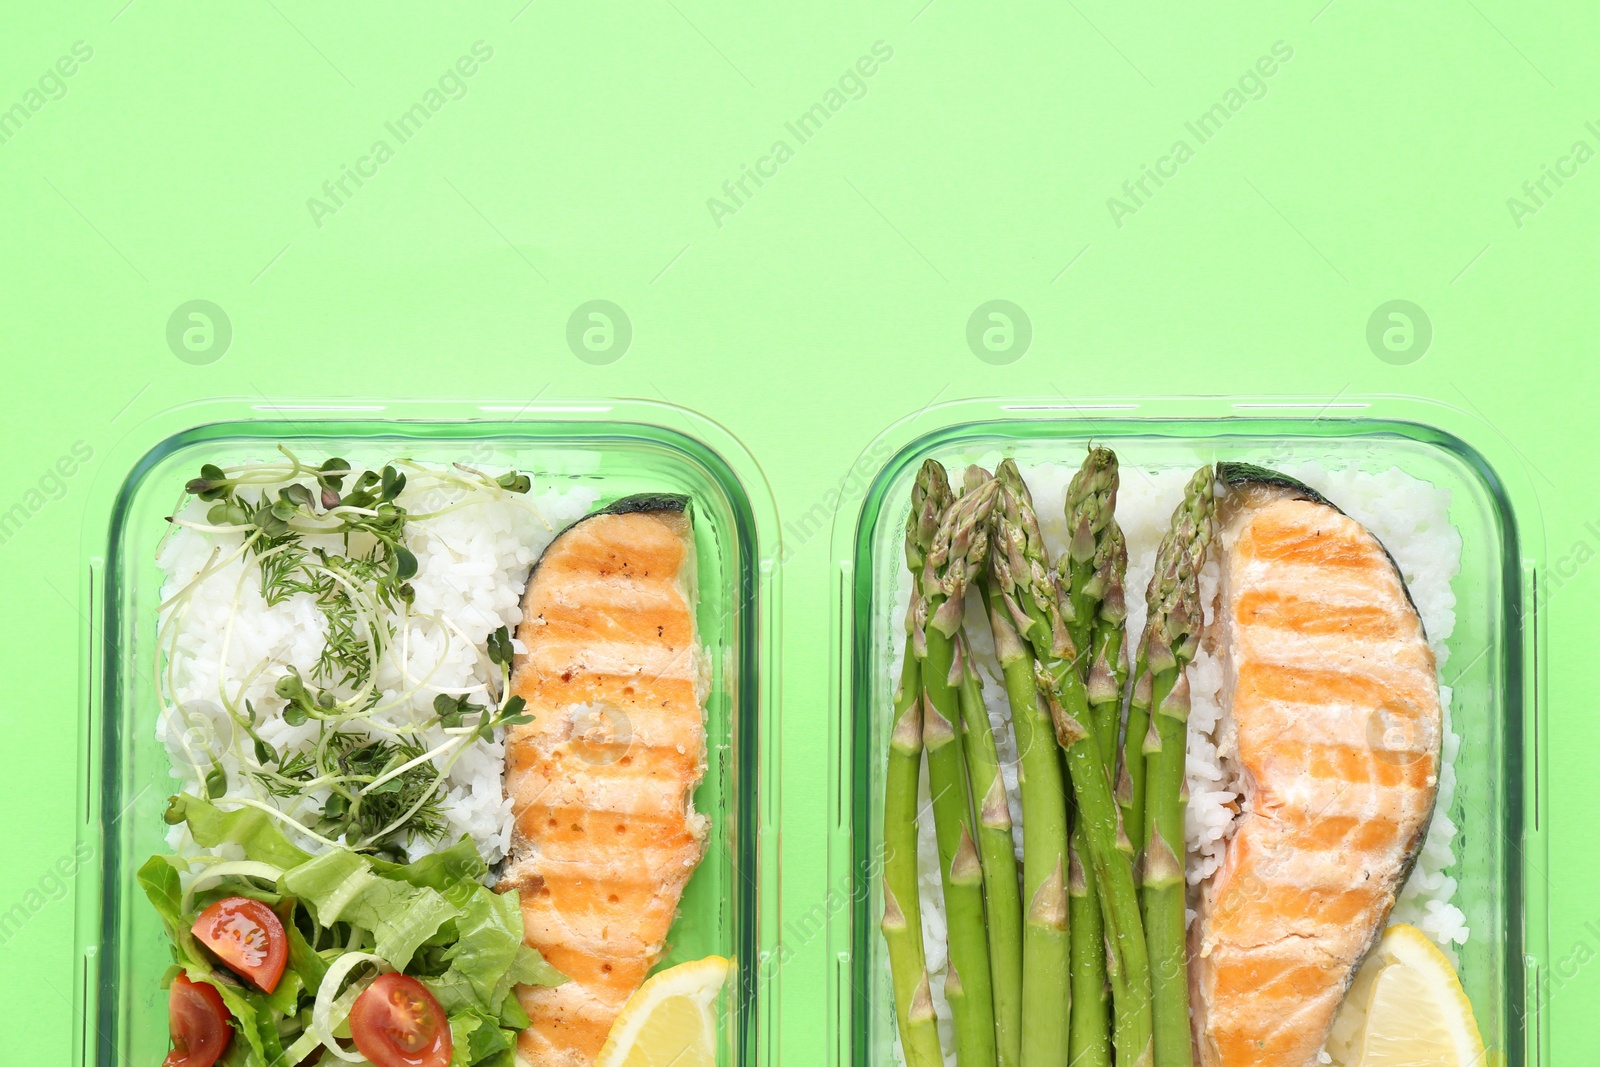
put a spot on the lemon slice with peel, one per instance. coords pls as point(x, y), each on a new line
point(1407, 1008)
point(671, 1020)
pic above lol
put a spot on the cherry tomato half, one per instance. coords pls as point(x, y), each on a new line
point(396, 1022)
point(248, 937)
point(199, 1024)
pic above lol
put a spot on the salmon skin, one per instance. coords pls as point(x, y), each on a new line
point(1335, 728)
point(602, 780)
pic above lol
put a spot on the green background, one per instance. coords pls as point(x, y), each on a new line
point(177, 164)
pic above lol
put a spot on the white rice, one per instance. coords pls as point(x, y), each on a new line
point(472, 565)
point(1410, 517)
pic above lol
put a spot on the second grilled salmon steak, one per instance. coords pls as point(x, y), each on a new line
point(1335, 728)
point(602, 780)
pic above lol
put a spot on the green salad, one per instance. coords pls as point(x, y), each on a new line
point(302, 952)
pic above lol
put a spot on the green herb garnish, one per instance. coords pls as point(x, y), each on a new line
point(382, 788)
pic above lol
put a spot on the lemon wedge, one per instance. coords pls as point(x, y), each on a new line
point(671, 1020)
point(1406, 1008)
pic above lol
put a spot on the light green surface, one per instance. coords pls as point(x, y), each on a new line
point(977, 166)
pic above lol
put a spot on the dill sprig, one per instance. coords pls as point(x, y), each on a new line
point(357, 811)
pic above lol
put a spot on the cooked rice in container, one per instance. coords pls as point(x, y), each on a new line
point(221, 641)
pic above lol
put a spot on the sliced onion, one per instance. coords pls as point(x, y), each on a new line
point(297, 1052)
point(218, 871)
point(330, 1010)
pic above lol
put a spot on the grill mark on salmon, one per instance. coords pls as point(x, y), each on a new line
point(602, 781)
point(1276, 611)
point(1336, 727)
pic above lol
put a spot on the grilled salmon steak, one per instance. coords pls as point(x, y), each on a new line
point(1335, 728)
point(602, 780)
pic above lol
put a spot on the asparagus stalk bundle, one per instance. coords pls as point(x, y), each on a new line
point(902, 913)
point(996, 851)
point(1085, 922)
point(959, 549)
point(1046, 995)
point(1171, 638)
point(1086, 574)
point(1034, 600)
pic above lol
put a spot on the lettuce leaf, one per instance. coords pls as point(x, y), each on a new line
point(474, 1039)
point(445, 871)
point(303, 959)
point(340, 886)
point(531, 968)
point(488, 957)
point(250, 828)
point(489, 933)
point(159, 879)
point(512, 1017)
point(253, 1017)
point(488, 1041)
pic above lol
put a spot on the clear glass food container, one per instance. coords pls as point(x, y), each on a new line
point(730, 907)
point(1493, 664)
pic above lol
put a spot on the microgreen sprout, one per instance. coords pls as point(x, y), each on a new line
point(513, 482)
point(451, 710)
point(500, 649)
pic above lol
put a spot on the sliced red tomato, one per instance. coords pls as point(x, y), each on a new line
point(396, 1022)
point(199, 1023)
point(247, 936)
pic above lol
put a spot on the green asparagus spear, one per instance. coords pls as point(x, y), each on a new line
point(998, 856)
point(1108, 669)
point(1172, 635)
point(996, 851)
point(1131, 775)
point(1046, 994)
point(1087, 576)
point(1089, 1036)
point(1108, 673)
point(902, 913)
point(1130, 764)
point(1042, 790)
point(1035, 601)
point(1091, 505)
point(958, 552)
